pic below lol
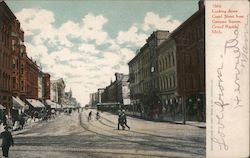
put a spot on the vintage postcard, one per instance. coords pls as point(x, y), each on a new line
point(124, 79)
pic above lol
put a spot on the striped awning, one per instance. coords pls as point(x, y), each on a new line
point(18, 104)
point(52, 104)
point(35, 103)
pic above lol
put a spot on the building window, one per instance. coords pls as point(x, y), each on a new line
point(199, 81)
point(198, 57)
point(170, 60)
point(13, 45)
point(173, 58)
point(13, 82)
point(191, 82)
point(174, 82)
point(168, 84)
point(22, 69)
point(13, 63)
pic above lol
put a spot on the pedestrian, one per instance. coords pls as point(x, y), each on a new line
point(90, 114)
point(120, 121)
point(22, 121)
point(4, 120)
point(97, 115)
point(124, 119)
point(7, 141)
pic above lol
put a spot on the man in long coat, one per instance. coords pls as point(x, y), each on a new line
point(7, 141)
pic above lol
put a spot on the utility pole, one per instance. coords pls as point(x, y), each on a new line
point(184, 108)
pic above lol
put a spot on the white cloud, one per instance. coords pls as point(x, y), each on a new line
point(132, 37)
point(153, 20)
point(127, 54)
point(36, 20)
point(88, 48)
point(85, 65)
point(92, 28)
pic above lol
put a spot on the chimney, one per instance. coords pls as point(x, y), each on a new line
point(118, 76)
point(201, 4)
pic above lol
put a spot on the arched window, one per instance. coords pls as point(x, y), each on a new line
point(174, 82)
point(166, 62)
point(169, 60)
point(173, 58)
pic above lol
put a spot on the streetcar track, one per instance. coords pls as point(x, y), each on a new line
point(139, 132)
point(148, 136)
point(162, 148)
point(140, 143)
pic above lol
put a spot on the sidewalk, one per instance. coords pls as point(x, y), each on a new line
point(193, 123)
point(190, 123)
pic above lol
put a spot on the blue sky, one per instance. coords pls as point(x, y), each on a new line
point(86, 42)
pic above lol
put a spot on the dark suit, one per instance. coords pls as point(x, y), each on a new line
point(6, 142)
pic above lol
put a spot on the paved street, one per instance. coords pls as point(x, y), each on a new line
point(73, 136)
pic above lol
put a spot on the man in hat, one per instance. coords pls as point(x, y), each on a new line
point(7, 141)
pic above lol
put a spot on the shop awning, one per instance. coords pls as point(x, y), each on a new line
point(35, 103)
point(2, 107)
point(52, 104)
point(18, 104)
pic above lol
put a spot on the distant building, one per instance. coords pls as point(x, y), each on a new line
point(94, 99)
point(117, 91)
point(100, 91)
point(57, 90)
point(69, 100)
point(43, 86)
point(46, 86)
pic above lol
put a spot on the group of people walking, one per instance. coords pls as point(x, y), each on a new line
point(122, 121)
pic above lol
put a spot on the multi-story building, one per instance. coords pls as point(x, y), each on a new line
point(109, 94)
point(190, 55)
point(94, 99)
point(43, 86)
point(31, 79)
point(143, 73)
point(46, 86)
point(123, 91)
point(57, 90)
point(17, 39)
point(18, 73)
point(167, 76)
point(100, 91)
point(117, 91)
point(6, 22)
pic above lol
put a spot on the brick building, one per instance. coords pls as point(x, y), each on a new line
point(118, 91)
point(190, 55)
point(43, 86)
point(17, 39)
point(18, 73)
point(6, 21)
point(46, 86)
point(31, 79)
point(167, 76)
point(143, 73)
